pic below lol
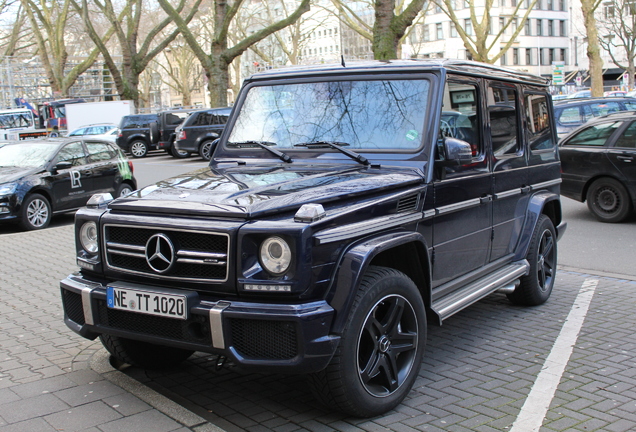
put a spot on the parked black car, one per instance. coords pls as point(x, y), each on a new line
point(41, 177)
point(572, 113)
point(599, 166)
point(167, 123)
point(138, 134)
point(198, 132)
point(344, 208)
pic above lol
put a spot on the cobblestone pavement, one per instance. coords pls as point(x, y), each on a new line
point(479, 368)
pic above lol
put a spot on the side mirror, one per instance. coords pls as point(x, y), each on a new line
point(62, 166)
point(457, 152)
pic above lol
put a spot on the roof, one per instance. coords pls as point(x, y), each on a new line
point(465, 67)
point(573, 101)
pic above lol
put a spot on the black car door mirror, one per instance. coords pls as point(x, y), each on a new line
point(62, 166)
point(457, 152)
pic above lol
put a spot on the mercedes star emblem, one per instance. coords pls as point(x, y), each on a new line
point(160, 254)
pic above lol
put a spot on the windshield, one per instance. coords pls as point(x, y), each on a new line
point(26, 155)
point(379, 114)
point(16, 120)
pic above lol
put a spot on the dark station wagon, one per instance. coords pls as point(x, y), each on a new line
point(345, 207)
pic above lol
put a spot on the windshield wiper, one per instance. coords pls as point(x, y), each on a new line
point(262, 144)
point(338, 146)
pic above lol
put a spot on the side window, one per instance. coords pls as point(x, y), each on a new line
point(602, 108)
point(587, 113)
point(222, 119)
point(203, 119)
point(628, 138)
point(73, 153)
point(502, 115)
point(570, 115)
point(459, 115)
point(594, 135)
point(538, 123)
point(630, 105)
point(99, 151)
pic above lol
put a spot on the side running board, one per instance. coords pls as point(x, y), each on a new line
point(469, 294)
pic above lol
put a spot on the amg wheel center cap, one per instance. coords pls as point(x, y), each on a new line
point(384, 344)
point(160, 254)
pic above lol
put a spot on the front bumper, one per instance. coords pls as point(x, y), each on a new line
point(290, 338)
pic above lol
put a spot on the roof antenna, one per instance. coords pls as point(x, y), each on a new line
point(342, 61)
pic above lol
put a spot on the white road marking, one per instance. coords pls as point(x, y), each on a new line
point(537, 403)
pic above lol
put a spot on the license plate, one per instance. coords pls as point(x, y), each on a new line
point(147, 302)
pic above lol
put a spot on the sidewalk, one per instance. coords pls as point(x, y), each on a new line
point(50, 378)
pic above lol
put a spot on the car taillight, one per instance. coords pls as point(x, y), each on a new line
point(132, 168)
point(120, 134)
point(182, 135)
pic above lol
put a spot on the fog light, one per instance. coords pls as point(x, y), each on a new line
point(267, 288)
point(4, 209)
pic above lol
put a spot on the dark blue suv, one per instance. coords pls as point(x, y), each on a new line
point(343, 209)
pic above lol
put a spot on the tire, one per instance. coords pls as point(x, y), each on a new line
point(143, 354)
point(138, 149)
point(205, 150)
point(381, 348)
point(535, 288)
point(35, 212)
point(608, 200)
point(123, 189)
point(179, 154)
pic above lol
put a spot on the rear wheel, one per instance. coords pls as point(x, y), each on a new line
point(143, 354)
point(123, 190)
point(608, 200)
point(138, 149)
point(536, 287)
point(36, 212)
point(179, 154)
point(205, 151)
point(381, 349)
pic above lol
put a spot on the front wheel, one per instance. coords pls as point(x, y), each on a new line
point(381, 348)
point(36, 212)
point(138, 149)
point(143, 354)
point(608, 200)
point(535, 288)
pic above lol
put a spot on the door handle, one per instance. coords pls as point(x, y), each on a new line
point(625, 158)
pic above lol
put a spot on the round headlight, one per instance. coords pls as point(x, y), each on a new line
point(88, 237)
point(275, 255)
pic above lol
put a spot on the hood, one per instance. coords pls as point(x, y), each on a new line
point(11, 174)
point(248, 192)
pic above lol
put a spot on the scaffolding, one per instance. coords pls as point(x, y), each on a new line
point(26, 78)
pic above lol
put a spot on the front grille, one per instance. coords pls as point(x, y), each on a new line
point(195, 329)
point(73, 306)
point(261, 339)
point(194, 256)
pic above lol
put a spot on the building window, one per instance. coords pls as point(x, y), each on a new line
point(513, 3)
point(563, 30)
point(551, 58)
point(515, 24)
point(529, 56)
point(503, 60)
point(562, 5)
point(564, 55)
point(539, 27)
point(542, 56)
point(439, 32)
point(427, 34)
point(528, 29)
point(515, 56)
point(453, 30)
point(550, 4)
point(550, 27)
point(438, 9)
point(468, 27)
point(537, 5)
point(502, 23)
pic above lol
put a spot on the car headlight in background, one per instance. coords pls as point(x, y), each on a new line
point(8, 188)
point(88, 237)
point(275, 255)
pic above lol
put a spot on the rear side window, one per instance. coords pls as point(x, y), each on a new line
point(569, 115)
point(603, 108)
point(627, 138)
point(594, 136)
point(502, 113)
point(137, 121)
point(538, 122)
point(208, 118)
point(99, 151)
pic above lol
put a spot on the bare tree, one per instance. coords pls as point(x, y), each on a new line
point(48, 24)
point(219, 56)
point(136, 51)
point(618, 25)
point(480, 41)
point(392, 19)
point(182, 69)
point(18, 36)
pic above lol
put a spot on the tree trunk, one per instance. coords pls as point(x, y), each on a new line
point(593, 48)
